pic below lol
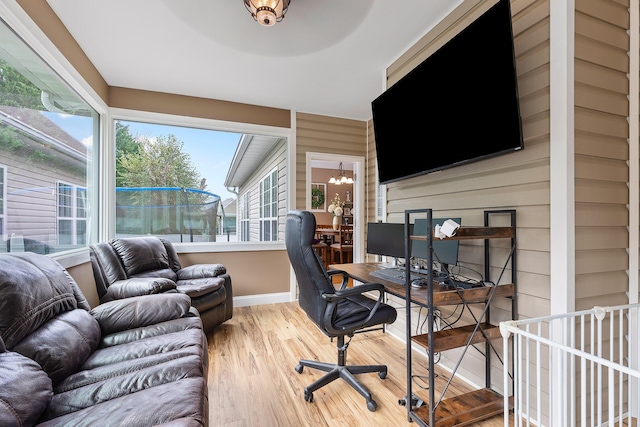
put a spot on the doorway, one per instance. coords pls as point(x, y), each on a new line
point(326, 165)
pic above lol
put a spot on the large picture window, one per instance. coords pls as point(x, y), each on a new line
point(47, 137)
point(182, 183)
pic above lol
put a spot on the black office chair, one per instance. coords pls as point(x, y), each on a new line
point(338, 313)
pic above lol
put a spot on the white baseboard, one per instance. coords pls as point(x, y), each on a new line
point(247, 300)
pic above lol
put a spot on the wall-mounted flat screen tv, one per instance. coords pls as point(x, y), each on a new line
point(459, 105)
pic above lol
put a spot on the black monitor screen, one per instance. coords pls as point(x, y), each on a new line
point(385, 238)
point(446, 251)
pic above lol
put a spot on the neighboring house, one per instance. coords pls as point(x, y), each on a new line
point(258, 172)
point(42, 207)
point(227, 216)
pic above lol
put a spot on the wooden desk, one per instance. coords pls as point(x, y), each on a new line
point(420, 296)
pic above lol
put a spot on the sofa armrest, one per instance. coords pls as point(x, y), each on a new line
point(136, 312)
point(199, 271)
point(138, 286)
point(25, 390)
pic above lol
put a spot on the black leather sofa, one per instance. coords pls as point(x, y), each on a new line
point(139, 361)
point(136, 266)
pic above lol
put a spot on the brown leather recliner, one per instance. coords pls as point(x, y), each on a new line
point(136, 266)
point(130, 362)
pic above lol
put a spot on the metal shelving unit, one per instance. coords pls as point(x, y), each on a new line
point(478, 404)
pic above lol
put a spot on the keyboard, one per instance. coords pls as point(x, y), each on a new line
point(395, 275)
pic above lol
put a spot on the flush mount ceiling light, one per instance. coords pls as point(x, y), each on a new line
point(267, 12)
point(342, 178)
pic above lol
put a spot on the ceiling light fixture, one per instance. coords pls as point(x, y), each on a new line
point(267, 12)
point(342, 178)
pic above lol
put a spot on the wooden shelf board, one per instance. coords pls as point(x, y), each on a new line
point(465, 233)
point(471, 296)
point(448, 339)
point(464, 409)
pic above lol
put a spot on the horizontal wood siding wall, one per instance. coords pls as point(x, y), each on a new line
point(601, 151)
point(518, 180)
point(371, 186)
point(323, 134)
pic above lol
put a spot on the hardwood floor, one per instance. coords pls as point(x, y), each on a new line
point(252, 380)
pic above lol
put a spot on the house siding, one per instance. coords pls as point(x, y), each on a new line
point(322, 134)
point(601, 152)
point(276, 159)
point(519, 180)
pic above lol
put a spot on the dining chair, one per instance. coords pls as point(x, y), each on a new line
point(343, 247)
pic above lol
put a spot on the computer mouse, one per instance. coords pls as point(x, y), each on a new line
point(418, 283)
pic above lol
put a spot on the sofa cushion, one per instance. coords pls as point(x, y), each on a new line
point(33, 289)
point(141, 254)
point(20, 375)
point(62, 344)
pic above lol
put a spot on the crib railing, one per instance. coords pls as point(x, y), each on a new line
point(575, 369)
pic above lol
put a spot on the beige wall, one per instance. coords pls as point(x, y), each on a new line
point(519, 180)
point(601, 152)
point(522, 180)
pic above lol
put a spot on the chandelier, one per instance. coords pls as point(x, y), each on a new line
point(342, 178)
point(267, 12)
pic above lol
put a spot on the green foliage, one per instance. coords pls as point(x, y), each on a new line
point(159, 163)
point(16, 90)
point(9, 139)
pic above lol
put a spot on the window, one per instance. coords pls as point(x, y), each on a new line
point(182, 182)
point(243, 212)
point(72, 214)
point(269, 207)
point(47, 136)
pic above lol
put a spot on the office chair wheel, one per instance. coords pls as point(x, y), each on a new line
point(299, 368)
point(308, 396)
point(382, 374)
point(372, 405)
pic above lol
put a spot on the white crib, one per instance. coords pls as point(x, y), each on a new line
point(575, 369)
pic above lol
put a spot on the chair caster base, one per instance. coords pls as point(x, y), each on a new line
point(308, 396)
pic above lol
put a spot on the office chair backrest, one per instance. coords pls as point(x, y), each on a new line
point(313, 280)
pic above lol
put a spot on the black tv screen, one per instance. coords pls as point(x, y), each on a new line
point(459, 105)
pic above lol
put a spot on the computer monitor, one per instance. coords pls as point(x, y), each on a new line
point(446, 250)
point(385, 238)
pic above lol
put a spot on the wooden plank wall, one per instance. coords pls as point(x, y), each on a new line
point(601, 151)
point(323, 134)
point(519, 180)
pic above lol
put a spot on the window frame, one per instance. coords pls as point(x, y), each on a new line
point(3, 205)
point(211, 124)
point(74, 219)
point(267, 201)
point(244, 217)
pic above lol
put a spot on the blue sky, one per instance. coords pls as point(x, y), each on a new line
point(211, 151)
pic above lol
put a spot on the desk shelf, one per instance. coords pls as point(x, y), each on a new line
point(463, 409)
point(448, 339)
point(479, 404)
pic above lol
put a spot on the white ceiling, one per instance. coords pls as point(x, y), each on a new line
point(326, 57)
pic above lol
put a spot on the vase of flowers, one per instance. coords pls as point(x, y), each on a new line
point(335, 208)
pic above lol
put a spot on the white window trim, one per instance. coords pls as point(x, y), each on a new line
point(3, 211)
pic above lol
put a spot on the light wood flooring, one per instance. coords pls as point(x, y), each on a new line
point(252, 380)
